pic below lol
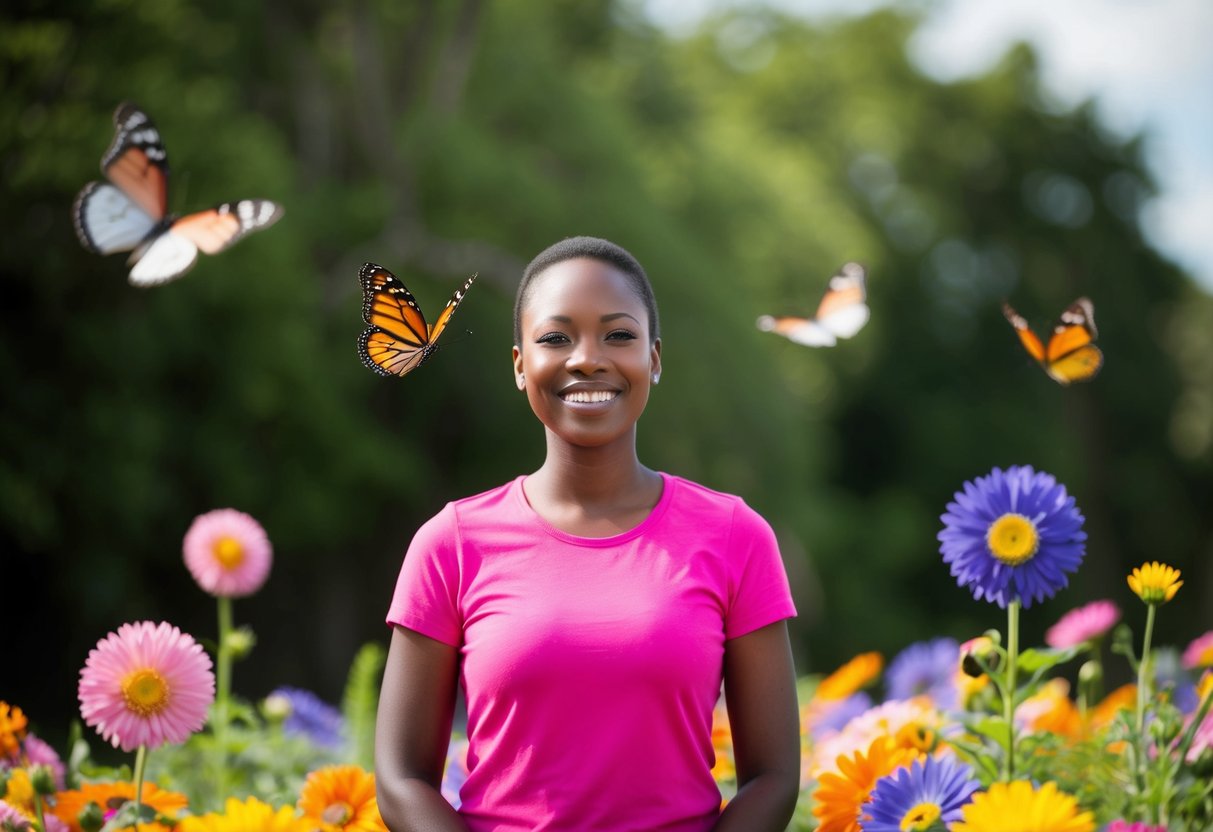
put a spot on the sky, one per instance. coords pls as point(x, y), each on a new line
point(1147, 64)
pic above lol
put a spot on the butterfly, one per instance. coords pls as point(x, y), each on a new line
point(129, 212)
point(1070, 354)
point(398, 339)
point(842, 312)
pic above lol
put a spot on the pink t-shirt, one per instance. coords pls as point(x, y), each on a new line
point(591, 665)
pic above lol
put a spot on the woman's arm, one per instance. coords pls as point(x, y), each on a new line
point(413, 729)
point(760, 692)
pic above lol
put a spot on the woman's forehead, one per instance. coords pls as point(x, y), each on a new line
point(582, 285)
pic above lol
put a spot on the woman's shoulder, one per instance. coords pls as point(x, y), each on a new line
point(694, 496)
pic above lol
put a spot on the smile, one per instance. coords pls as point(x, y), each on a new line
point(589, 396)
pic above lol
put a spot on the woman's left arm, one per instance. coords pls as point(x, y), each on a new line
point(760, 692)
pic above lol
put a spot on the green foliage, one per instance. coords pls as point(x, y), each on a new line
point(360, 702)
point(741, 164)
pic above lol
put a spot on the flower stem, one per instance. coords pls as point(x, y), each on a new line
point(223, 690)
point(1143, 684)
point(140, 768)
point(1008, 701)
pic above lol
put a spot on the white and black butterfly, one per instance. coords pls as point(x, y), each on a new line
point(842, 312)
point(130, 211)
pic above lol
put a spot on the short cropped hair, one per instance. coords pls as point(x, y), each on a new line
point(594, 248)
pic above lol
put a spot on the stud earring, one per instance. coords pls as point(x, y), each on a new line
point(656, 377)
point(521, 381)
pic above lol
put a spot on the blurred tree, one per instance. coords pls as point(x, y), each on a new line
point(741, 165)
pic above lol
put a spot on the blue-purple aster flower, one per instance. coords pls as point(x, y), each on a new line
point(834, 715)
point(310, 716)
point(925, 667)
point(929, 793)
point(1013, 535)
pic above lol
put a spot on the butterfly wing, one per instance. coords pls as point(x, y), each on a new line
point(1070, 355)
point(1029, 339)
point(444, 317)
point(398, 339)
point(843, 310)
point(136, 161)
point(107, 220)
point(801, 330)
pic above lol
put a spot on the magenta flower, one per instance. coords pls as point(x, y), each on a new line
point(1200, 652)
point(1083, 624)
point(11, 818)
point(228, 553)
point(1136, 826)
point(146, 684)
point(38, 753)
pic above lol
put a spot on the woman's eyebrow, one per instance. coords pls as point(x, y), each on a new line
point(565, 319)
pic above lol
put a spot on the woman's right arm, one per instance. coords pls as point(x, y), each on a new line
point(413, 729)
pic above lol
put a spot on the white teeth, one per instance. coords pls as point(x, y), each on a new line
point(590, 396)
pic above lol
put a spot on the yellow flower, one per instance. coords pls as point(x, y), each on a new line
point(19, 791)
point(109, 797)
point(840, 795)
point(1155, 583)
point(250, 816)
point(722, 744)
point(1017, 807)
point(12, 729)
point(342, 798)
point(851, 677)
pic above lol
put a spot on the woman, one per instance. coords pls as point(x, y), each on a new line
point(590, 610)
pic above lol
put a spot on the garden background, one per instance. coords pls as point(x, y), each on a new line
point(742, 162)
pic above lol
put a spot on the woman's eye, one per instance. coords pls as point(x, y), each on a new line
point(621, 335)
point(552, 338)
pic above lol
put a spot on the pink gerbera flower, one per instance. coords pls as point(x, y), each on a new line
point(1135, 826)
point(1200, 652)
point(147, 684)
point(1083, 624)
point(228, 553)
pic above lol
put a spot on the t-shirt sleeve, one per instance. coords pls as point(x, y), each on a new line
point(760, 594)
point(427, 591)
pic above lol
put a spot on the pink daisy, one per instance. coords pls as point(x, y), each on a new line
point(228, 553)
point(1200, 652)
point(1136, 826)
point(1083, 624)
point(147, 684)
point(38, 753)
point(10, 816)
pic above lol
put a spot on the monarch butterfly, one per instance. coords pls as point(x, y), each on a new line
point(842, 312)
point(1070, 354)
point(130, 210)
point(398, 339)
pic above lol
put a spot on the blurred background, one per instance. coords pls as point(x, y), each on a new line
point(742, 152)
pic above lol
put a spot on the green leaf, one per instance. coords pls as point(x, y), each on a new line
point(361, 701)
point(130, 814)
point(996, 728)
point(1034, 661)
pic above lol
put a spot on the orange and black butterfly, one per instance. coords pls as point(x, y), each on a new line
point(130, 211)
point(398, 339)
point(842, 312)
point(1070, 354)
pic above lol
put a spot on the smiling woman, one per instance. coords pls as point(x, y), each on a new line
point(590, 608)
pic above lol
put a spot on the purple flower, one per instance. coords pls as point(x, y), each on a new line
point(310, 716)
point(929, 793)
point(833, 716)
point(1012, 535)
point(925, 667)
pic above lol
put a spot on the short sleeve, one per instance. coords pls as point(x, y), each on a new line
point(759, 592)
point(427, 590)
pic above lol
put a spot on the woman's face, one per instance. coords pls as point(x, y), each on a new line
point(586, 360)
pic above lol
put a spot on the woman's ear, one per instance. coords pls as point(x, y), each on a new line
point(655, 361)
point(519, 377)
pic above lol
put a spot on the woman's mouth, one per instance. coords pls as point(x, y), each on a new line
point(589, 396)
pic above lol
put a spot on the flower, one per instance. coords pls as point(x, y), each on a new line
point(1200, 652)
point(1155, 583)
point(906, 722)
point(110, 797)
point(840, 795)
point(1083, 624)
point(228, 553)
point(307, 715)
point(456, 771)
point(1136, 826)
point(724, 768)
point(925, 667)
point(1019, 807)
point(38, 753)
point(12, 728)
point(1012, 536)
point(849, 678)
point(831, 716)
point(342, 798)
point(18, 791)
point(147, 684)
point(250, 815)
point(12, 818)
point(1050, 711)
point(929, 792)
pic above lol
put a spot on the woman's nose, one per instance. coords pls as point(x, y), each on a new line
point(586, 357)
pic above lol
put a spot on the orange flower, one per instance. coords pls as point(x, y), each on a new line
point(111, 796)
point(342, 798)
point(1123, 698)
point(840, 795)
point(722, 745)
point(12, 729)
point(1051, 711)
point(849, 678)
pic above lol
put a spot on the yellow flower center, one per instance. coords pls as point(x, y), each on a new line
point(229, 552)
point(338, 813)
point(920, 817)
point(146, 692)
point(1012, 539)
